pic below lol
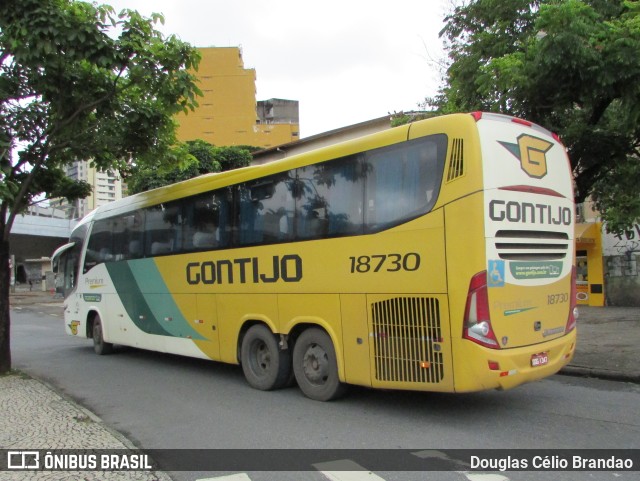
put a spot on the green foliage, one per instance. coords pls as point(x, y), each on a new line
point(80, 82)
point(572, 66)
point(406, 118)
point(201, 158)
point(250, 148)
point(233, 157)
point(619, 187)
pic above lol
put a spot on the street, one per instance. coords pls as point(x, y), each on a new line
point(164, 401)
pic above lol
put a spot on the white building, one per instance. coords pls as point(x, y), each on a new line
point(106, 187)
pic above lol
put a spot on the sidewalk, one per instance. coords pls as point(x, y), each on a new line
point(35, 416)
point(608, 344)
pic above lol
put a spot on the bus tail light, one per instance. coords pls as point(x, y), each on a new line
point(573, 309)
point(477, 321)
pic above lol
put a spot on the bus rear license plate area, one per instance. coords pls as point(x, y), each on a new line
point(540, 359)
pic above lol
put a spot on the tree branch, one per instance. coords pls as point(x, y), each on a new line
point(598, 110)
point(90, 105)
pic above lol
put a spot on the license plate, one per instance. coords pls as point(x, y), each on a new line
point(539, 359)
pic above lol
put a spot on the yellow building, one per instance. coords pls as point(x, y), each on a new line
point(228, 113)
point(589, 265)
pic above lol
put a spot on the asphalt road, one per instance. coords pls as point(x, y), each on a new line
point(165, 401)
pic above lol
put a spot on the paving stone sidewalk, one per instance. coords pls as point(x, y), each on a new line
point(34, 416)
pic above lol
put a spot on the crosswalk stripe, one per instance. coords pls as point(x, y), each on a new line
point(435, 454)
point(345, 470)
point(230, 477)
point(484, 477)
point(348, 470)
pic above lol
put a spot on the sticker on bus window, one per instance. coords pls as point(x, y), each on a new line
point(495, 273)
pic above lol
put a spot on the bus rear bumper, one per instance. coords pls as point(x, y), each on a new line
point(504, 369)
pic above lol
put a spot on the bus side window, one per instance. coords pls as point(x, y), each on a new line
point(330, 200)
point(163, 229)
point(404, 181)
point(118, 233)
point(266, 210)
point(224, 200)
point(207, 220)
point(134, 235)
point(100, 245)
point(70, 279)
point(127, 235)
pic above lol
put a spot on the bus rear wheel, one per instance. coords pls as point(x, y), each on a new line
point(315, 366)
point(265, 365)
point(100, 346)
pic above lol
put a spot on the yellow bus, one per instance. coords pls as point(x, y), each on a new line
point(434, 256)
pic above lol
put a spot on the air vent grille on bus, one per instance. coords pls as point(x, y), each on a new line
point(527, 245)
point(456, 163)
point(406, 340)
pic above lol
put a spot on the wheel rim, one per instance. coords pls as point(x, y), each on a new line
point(316, 365)
point(260, 358)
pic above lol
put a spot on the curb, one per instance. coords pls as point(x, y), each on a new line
point(596, 373)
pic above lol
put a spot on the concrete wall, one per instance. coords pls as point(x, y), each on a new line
point(279, 111)
point(621, 268)
point(32, 240)
point(41, 226)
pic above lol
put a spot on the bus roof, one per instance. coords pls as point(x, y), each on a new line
point(213, 181)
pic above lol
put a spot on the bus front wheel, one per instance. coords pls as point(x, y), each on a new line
point(100, 346)
point(265, 365)
point(315, 366)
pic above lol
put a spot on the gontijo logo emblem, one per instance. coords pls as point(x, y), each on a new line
point(531, 152)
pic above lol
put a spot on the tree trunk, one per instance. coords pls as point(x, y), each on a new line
point(5, 319)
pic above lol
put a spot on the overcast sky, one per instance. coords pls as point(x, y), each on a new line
point(345, 61)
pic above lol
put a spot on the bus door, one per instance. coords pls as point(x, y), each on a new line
point(64, 264)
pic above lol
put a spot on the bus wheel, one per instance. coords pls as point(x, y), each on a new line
point(99, 345)
point(315, 366)
point(265, 365)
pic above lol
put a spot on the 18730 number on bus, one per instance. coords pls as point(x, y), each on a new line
point(385, 263)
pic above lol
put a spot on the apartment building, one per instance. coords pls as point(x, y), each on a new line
point(106, 187)
point(228, 113)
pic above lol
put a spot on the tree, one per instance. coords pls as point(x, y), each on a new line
point(78, 82)
point(571, 66)
point(203, 158)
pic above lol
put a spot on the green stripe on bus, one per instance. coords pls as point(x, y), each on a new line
point(132, 299)
point(160, 300)
point(151, 308)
